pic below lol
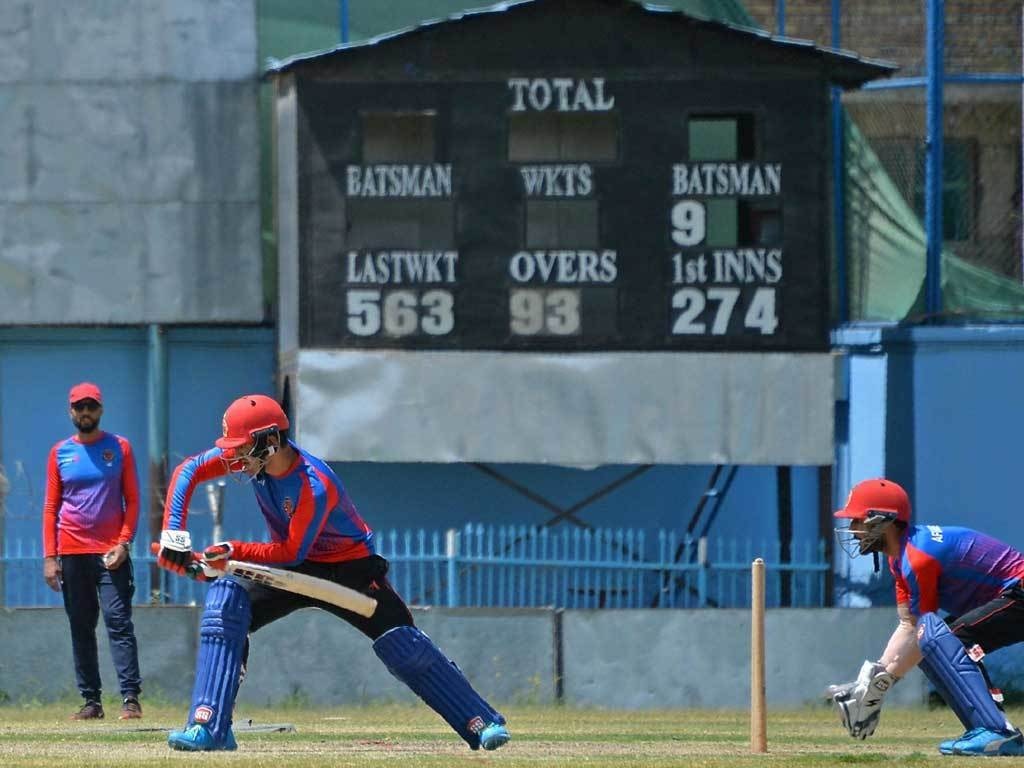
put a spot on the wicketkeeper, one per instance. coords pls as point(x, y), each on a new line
point(314, 529)
point(975, 578)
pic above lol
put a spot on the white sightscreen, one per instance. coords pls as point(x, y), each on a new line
point(579, 409)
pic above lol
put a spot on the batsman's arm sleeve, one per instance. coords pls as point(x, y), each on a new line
point(306, 523)
point(130, 492)
point(902, 652)
point(54, 490)
point(187, 475)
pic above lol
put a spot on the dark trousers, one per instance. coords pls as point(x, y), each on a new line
point(994, 625)
point(367, 575)
point(88, 587)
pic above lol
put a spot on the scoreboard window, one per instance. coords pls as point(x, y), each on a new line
point(561, 223)
point(727, 264)
point(399, 197)
point(398, 137)
point(554, 136)
point(730, 221)
point(721, 137)
point(722, 216)
point(760, 223)
point(399, 265)
point(400, 223)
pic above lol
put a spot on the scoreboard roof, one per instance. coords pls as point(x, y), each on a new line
point(844, 68)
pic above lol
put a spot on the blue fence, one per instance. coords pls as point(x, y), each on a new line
point(520, 566)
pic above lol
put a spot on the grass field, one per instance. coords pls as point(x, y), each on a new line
point(414, 736)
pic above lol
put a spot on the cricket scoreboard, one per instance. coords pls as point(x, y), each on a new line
point(561, 213)
point(537, 232)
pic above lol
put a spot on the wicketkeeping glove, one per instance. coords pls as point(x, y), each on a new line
point(859, 704)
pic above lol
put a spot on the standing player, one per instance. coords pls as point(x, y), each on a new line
point(975, 578)
point(314, 529)
point(89, 519)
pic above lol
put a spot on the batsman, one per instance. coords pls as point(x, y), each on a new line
point(975, 579)
point(314, 528)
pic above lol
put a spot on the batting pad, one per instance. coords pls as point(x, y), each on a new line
point(226, 618)
point(955, 676)
point(413, 658)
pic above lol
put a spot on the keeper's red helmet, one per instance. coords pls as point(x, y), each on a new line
point(877, 498)
point(249, 416)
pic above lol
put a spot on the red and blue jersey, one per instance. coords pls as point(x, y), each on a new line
point(309, 514)
point(92, 496)
point(953, 569)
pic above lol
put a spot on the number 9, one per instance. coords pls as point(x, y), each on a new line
point(527, 310)
point(689, 223)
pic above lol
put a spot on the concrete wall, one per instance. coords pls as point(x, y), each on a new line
point(614, 659)
point(36, 664)
point(654, 659)
point(129, 147)
point(508, 655)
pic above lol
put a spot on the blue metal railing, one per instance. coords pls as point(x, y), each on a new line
point(523, 566)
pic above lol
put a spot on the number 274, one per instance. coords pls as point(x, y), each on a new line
point(691, 303)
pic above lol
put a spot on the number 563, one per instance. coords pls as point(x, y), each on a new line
point(399, 312)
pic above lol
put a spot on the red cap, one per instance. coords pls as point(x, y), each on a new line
point(877, 495)
point(85, 391)
point(248, 414)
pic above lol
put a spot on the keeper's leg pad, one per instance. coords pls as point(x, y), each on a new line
point(413, 658)
point(222, 633)
point(956, 677)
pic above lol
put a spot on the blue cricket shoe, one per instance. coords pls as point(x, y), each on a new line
point(987, 743)
point(946, 747)
point(493, 736)
point(197, 738)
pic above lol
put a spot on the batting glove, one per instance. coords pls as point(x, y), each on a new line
point(222, 550)
point(175, 551)
point(216, 556)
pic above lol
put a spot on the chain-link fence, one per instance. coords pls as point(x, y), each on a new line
point(885, 146)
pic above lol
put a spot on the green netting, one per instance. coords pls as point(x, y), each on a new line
point(885, 244)
point(731, 11)
point(886, 253)
point(368, 18)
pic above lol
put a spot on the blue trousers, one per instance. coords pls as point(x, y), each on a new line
point(88, 588)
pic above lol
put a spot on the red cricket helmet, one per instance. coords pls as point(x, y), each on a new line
point(247, 417)
point(877, 498)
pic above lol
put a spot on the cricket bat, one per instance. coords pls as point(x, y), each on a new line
point(290, 581)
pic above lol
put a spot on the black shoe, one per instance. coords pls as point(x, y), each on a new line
point(91, 710)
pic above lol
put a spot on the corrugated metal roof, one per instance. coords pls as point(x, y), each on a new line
point(275, 66)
